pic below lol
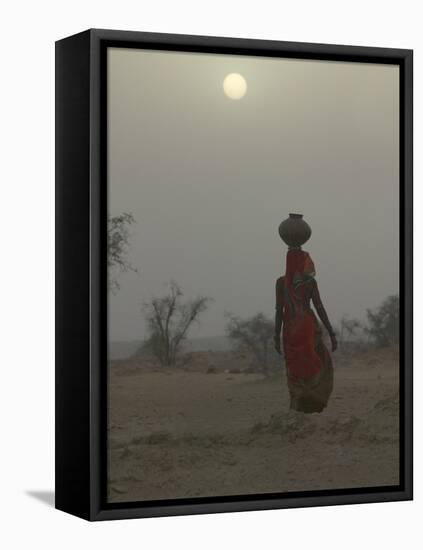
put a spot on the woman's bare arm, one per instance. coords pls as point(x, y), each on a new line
point(278, 314)
point(323, 316)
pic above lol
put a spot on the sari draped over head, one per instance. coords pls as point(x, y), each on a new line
point(299, 269)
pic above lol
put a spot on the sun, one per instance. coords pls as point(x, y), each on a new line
point(235, 86)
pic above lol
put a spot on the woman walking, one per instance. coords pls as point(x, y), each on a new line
point(308, 362)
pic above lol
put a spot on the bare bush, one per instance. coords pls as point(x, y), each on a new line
point(255, 335)
point(169, 319)
point(117, 247)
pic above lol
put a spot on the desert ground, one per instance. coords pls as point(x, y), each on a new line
point(212, 426)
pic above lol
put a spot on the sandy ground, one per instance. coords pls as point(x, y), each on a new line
point(177, 433)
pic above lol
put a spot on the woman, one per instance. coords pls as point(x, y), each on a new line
point(308, 362)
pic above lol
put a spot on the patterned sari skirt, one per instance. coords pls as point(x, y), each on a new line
point(308, 364)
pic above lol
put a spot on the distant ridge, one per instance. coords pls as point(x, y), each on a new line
point(126, 349)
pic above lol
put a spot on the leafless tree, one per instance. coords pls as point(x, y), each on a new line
point(117, 247)
point(169, 319)
point(383, 322)
point(254, 334)
point(348, 328)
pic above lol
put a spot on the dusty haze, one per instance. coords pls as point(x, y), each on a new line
point(209, 179)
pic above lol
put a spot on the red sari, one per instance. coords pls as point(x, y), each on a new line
point(308, 362)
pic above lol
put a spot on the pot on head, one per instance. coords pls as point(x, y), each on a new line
point(294, 231)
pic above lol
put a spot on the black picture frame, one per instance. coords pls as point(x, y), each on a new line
point(81, 273)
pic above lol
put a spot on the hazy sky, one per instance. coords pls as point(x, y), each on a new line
point(208, 179)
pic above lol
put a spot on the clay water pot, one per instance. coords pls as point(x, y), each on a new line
point(294, 231)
